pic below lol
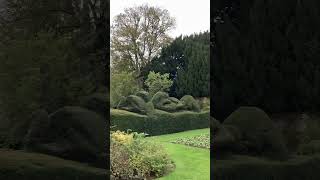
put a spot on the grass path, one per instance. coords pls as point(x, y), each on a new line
point(191, 163)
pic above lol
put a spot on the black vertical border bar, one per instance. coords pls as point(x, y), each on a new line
point(107, 58)
point(212, 36)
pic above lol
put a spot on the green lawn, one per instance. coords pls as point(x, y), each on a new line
point(191, 162)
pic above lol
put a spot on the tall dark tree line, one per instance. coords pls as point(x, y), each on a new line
point(266, 54)
point(52, 53)
point(186, 59)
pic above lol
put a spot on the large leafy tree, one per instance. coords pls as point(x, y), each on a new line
point(138, 35)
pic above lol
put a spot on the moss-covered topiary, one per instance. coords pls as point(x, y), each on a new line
point(73, 133)
point(189, 103)
point(133, 103)
point(162, 101)
point(252, 128)
point(159, 99)
point(174, 100)
point(144, 95)
point(149, 107)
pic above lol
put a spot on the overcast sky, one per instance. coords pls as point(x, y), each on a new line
point(192, 16)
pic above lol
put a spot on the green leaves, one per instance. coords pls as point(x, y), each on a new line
point(158, 82)
point(122, 85)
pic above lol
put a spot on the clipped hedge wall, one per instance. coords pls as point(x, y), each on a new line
point(124, 120)
point(159, 122)
point(252, 168)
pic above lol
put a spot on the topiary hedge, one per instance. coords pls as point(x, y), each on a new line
point(124, 120)
point(159, 122)
point(258, 131)
point(71, 132)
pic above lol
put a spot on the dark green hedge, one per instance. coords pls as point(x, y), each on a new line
point(159, 122)
point(251, 168)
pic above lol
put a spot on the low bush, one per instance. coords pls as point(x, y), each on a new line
point(124, 120)
point(159, 122)
point(133, 157)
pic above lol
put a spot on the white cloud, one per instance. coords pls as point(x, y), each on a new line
point(192, 16)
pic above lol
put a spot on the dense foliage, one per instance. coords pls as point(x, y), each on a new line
point(158, 82)
point(122, 84)
point(160, 122)
point(266, 54)
point(51, 54)
point(133, 157)
point(138, 34)
point(186, 60)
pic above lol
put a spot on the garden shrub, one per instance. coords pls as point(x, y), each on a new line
point(133, 157)
point(159, 122)
point(190, 103)
point(133, 103)
point(122, 84)
point(149, 107)
point(158, 82)
point(258, 130)
point(162, 101)
point(204, 103)
point(144, 95)
point(159, 98)
point(174, 100)
point(73, 133)
point(124, 120)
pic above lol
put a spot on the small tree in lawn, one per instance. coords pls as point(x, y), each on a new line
point(158, 82)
